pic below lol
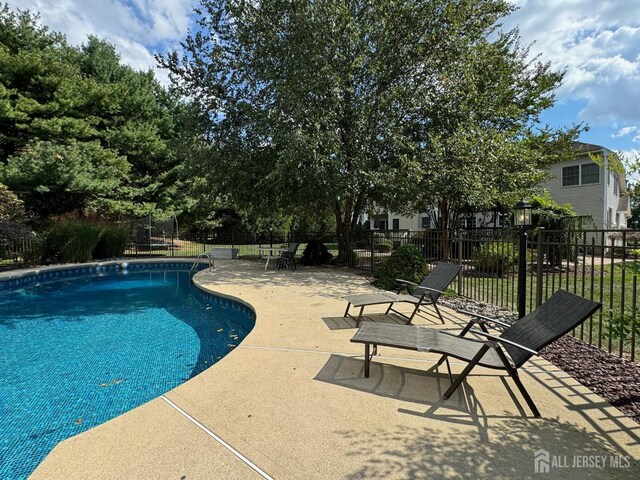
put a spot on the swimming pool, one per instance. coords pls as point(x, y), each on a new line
point(81, 346)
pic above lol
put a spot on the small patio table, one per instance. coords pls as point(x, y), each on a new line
point(267, 253)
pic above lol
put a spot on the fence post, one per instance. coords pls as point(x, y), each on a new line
point(173, 243)
point(522, 273)
point(460, 261)
point(539, 265)
point(371, 247)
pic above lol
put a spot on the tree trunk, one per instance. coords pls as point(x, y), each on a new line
point(443, 238)
point(344, 231)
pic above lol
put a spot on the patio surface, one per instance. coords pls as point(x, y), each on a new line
point(292, 401)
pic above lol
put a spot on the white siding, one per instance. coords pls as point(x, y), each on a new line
point(586, 199)
point(612, 201)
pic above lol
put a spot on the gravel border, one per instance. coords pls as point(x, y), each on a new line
point(615, 379)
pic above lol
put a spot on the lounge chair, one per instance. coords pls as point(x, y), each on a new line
point(509, 351)
point(288, 257)
point(427, 293)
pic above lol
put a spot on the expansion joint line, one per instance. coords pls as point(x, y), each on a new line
point(244, 459)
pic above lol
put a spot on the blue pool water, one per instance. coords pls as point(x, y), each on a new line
point(76, 352)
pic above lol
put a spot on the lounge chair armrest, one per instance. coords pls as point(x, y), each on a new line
point(419, 287)
point(482, 317)
point(495, 338)
point(400, 280)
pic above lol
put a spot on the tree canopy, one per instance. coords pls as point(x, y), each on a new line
point(79, 131)
point(333, 106)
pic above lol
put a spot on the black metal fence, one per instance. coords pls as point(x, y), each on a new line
point(602, 265)
point(13, 251)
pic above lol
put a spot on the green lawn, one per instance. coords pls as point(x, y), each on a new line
point(614, 328)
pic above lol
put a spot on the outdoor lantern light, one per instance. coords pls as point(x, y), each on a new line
point(522, 214)
point(522, 219)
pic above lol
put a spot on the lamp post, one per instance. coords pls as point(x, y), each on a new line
point(522, 220)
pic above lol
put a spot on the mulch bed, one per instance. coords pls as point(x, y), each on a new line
point(613, 378)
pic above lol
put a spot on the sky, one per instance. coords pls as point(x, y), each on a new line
point(597, 43)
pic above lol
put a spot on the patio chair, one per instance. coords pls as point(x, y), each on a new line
point(509, 351)
point(425, 294)
point(288, 258)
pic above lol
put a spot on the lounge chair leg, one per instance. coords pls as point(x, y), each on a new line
point(413, 314)
point(400, 314)
point(460, 378)
point(525, 394)
point(367, 360)
point(346, 312)
point(449, 369)
point(513, 373)
point(435, 305)
point(359, 319)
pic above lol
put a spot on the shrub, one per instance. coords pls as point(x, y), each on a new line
point(315, 253)
point(623, 327)
point(71, 241)
point(406, 262)
point(381, 243)
point(494, 257)
point(112, 242)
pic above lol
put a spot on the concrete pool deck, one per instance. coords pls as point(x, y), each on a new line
point(291, 401)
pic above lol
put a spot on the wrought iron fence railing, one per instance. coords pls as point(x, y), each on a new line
point(602, 265)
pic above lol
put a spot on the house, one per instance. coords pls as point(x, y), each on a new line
point(594, 191)
point(422, 220)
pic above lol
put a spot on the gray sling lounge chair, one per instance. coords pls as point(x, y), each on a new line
point(508, 351)
point(427, 293)
point(288, 257)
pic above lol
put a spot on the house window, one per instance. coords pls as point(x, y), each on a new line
point(380, 224)
point(425, 222)
point(571, 176)
point(396, 223)
point(590, 173)
point(585, 174)
point(615, 185)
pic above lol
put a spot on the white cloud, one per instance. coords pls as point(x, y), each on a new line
point(138, 28)
point(623, 132)
point(598, 43)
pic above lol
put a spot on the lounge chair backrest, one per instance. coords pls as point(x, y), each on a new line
point(560, 314)
point(441, 277)
point(293, 248)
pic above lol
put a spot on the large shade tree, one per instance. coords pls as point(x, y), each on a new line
point(335, 105)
